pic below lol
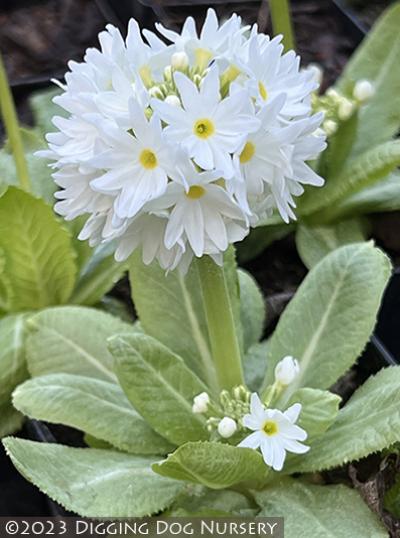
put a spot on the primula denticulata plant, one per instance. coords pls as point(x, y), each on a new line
point(176, 148)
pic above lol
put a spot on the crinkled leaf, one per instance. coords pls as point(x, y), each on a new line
point(210, 503)
point(170, 308)
point(369, 422)
point(330, 319)
point(359, 172)
point(97, 277)
point(252, 309)
point(5, 287)
point(91, 482)
point(160, 387)
point(377, 60)
point(96, 407)
point(214, 465)
point(325, 511)
point(40, 263)
point(72, 340)
point(383, 196)
point(255, 365)
point(319, 409)
point(13, 368)
point(315, 242)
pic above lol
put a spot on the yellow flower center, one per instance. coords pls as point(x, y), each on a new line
point(148, 159)
point(263, 91)
point(270, 427)
point(247, 153)
point(204, 128)
point(202, 58)
point(195, 192)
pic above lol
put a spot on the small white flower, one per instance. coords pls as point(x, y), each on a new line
point(287, 370)
point(227, 427)
point(363, 90)
point(330, 127)
point(274, 432)
point(209, 128)
point(200, 403)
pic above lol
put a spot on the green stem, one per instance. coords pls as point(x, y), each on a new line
point(221, 324)
point(282, 21)
point(13, 132)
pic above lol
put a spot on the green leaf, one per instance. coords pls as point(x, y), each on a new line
point(94, 406)
point(91, 482)
point(255, 365)
point(10, 420)
point(329, 321)
point(5, 287)
point(171, 309)
point(13, 368)
point(359, 172)
point(315, 242)
point(160, 387)
point(97, 277)
point(368, 423)
point(210, 503)
point(214, 465)
point(72, 340)
point(325, 511)
point(43, 108)
point(40, 262)
point(377, 61)
point(43, 185)
point(382, 196)
point(252, 309)
point(319, 409)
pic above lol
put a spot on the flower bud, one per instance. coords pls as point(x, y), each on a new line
point(330, 127)
point(286, 370)
point(363, 90)
point(227, 427)
point(346, 109)
point(173, 100)
point(200, 403)
point(180, 61)
point(155, 91)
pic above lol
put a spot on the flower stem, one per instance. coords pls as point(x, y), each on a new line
point(282, 21)
point(221, 324)
point(7, 108)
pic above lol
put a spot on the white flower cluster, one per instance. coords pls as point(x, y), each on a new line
point(180, 148)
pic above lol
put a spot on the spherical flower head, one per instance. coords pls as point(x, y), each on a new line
point(287, 370)
point(274, 432)
point(363, 90)
point(227, 427)
point(178, 150)
point(200, 403)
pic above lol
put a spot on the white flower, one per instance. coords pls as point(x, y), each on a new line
point(227, 427)
point(274, 432)
point(209, 128)
point(200, 403)
point(363, 90)
point(346, 109)
point(202, 212)
point(177, 150)
point(287, 370)
point(136, 165)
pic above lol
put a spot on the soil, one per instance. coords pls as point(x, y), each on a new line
point(38, 37)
